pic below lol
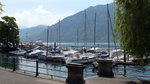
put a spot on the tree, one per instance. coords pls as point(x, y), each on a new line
point(1, 10)
point(9, 32)
point(132, 26)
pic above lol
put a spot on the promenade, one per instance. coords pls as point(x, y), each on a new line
point(9, 77)
point(116, 80)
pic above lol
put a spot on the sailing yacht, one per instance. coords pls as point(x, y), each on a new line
point(84, 57)
point(106, 55)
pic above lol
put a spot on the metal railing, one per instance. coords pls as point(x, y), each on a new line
point(132, 72)
point(13, 64)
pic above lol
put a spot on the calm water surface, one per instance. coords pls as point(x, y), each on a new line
point(89, 45)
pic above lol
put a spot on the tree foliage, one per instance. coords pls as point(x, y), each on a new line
point(1, 10)
point(132, 26)
point(9, 32)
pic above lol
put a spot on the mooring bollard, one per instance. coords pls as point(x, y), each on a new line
point(37, 70)
point(105, 68)
point(14, 64)
point(75, 73)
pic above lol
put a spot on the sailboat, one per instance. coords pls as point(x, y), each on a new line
point(82, 57)
point(44, 54)
point(57, 55)
point(108, 52)
point(59, 36)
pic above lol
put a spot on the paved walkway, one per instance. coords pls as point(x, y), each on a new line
point(9, 77)
point(116, 80)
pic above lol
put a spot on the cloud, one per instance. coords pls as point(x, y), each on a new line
point(35, 17)
point(41, 10)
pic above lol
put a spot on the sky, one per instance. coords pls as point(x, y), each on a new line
point(29, 13)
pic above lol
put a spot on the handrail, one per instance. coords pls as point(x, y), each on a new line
point(27, 65)
point(28, 60)
point(134, 75)
point(127, 68)
point(13, 65)
point(36, 67)
point(52, 69)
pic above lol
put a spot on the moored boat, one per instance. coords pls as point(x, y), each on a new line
point(81, 58)
point(17, 52)
point(33, 54)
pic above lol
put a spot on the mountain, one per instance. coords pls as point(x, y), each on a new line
point(69, 26)
point(32, 34)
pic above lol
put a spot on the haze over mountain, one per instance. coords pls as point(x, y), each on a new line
point(69, 26)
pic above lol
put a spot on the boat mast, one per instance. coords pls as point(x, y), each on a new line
point(85, 32)
point(59, 35)
point(108, 29)
point(77, 38)
point(113, 34)
point(57, 43)
point(26, 36)
point(47, 40)
point(51, 37)
point(94, 31)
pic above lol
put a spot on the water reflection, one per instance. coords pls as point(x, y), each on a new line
point(124, 74)
point(132, 71)
point(6, 61)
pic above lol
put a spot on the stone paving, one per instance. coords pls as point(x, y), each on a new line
point(116, 80)
point(9, 77)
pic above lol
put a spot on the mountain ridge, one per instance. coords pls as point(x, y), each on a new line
point(70, 24)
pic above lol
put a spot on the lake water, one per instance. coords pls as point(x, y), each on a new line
point(24, 65)
point(45, 68)
point(89, 45)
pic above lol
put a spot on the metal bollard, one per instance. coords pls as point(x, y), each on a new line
point(14, 64)
point(37, 70)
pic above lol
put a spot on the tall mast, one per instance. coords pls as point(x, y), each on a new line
point(51, 37)
point(85, 36)
point(77, 38)
point(57, 43)
point(113, 34)
point(59, 35)
point(47, 40)
point(27, 37)
point(108, 29)
point(94, 31)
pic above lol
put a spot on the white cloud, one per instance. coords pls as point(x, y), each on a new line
point(41, 10)
point(35, 17)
